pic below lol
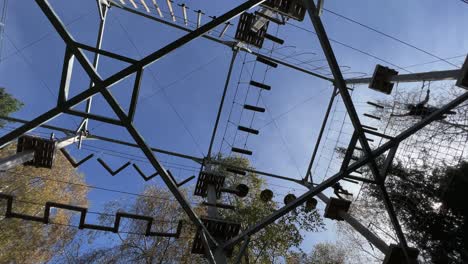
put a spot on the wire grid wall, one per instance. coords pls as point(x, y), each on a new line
point(443, 142)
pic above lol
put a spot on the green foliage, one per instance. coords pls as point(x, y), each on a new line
point(322, 253)
point(8, 105)
point(439, 231)
point(30, 242)
point(131, 246)
point(276, 240)
point(270, 245)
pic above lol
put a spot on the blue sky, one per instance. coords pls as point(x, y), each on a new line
point(180, 93)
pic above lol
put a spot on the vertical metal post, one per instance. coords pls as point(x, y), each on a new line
point(135, 93)
point(242, 250)
point(67, 70)
point(319, 139)
point(341, 84)
point(221, 103)
point(388, 162)
point(211, 193)
point(102, 24)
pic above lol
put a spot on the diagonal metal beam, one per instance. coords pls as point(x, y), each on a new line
point(145, 148)
point(221, 103)
point(319, 138)
point(354, 166)
point(62, 31)
point(226, 43)
point(341, 85)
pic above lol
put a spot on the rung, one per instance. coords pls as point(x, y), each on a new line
point(260, 85)
point(248, 130)
point(372, 116)
point(369, 127)
point(254, 108)
point(376, 105)
point(274, 39)
point(220, 205)
point(240, 172)
point(242, 151)
point(267, 62)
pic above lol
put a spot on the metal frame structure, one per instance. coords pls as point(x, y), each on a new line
point(98, 85)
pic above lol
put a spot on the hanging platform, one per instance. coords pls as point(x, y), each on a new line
point(334, 206)
point(380, 80)
point(291, 8)
point(221, 230)
point(395, 255)
point(206, 178)
point(44, 150)
point(245, 34)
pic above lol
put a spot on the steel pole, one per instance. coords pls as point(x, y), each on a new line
point(221, 103)
point(414, 77)
point(371, 237)
point(319, 139)
point(102, 25)
point(341, 84)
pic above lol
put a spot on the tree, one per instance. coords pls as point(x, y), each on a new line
point(131, 246)
point(440, 233)
point(421, 169)
point(268, 246)
point(31, 242)
point(8, 105)
point(276, 240)
point(322, 253)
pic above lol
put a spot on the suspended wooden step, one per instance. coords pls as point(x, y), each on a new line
point(260, 85)
point(242, 151)
point(236, 171)
point(248, 130)
point(111, 171)
point(274, 39)
point(267, 62)
point(254, 108)
point(72, 161)
point(220, 205)
point(369, 127)
point(376, 105)
point(372, 116)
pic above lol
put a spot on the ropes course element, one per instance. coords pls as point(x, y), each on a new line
point(45, 219)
